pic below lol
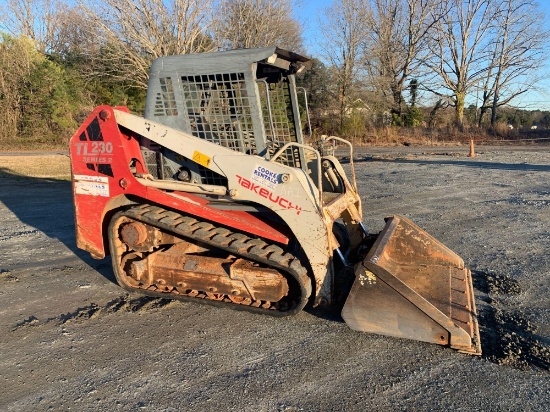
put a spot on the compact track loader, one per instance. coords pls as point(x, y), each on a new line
point(214, 196)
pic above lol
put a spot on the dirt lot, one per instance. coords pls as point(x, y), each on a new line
point(72, 339)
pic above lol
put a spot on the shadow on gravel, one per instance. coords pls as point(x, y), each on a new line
point(47, 205)
point(507, 338)
point(464, 163)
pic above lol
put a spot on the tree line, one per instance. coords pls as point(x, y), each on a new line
point(380, 64)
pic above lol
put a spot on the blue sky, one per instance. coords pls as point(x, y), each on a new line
point(307, 13)
point(540, 99)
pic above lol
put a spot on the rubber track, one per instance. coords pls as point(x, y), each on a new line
point(238, 244)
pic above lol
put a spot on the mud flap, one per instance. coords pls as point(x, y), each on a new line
point(412, 286)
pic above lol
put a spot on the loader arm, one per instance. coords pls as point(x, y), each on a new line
point(287, 191)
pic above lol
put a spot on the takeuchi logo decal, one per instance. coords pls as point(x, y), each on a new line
point(268, 194)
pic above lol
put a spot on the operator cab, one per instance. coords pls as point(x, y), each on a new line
point(245, 100)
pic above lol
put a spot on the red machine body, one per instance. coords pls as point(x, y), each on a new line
point(102, 158)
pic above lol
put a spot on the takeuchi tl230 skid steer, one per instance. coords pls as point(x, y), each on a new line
point(214, 196)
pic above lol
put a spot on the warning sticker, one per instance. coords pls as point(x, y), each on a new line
point(88, 178)
point(91, 185)
point(201, 159)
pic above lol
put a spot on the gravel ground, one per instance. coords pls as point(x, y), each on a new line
point(72, 339)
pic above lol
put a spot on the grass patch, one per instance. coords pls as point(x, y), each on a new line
point(54, 166)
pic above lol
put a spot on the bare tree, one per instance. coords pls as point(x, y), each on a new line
point(520, 43)
point(131, 33)
point(258, 23)
point(75, 38)
point(396, 43)
point(460, 52)
point(517, 53)
point(344, 28)
point(38, 20)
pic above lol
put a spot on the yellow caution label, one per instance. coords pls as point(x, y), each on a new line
point(201, 159)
